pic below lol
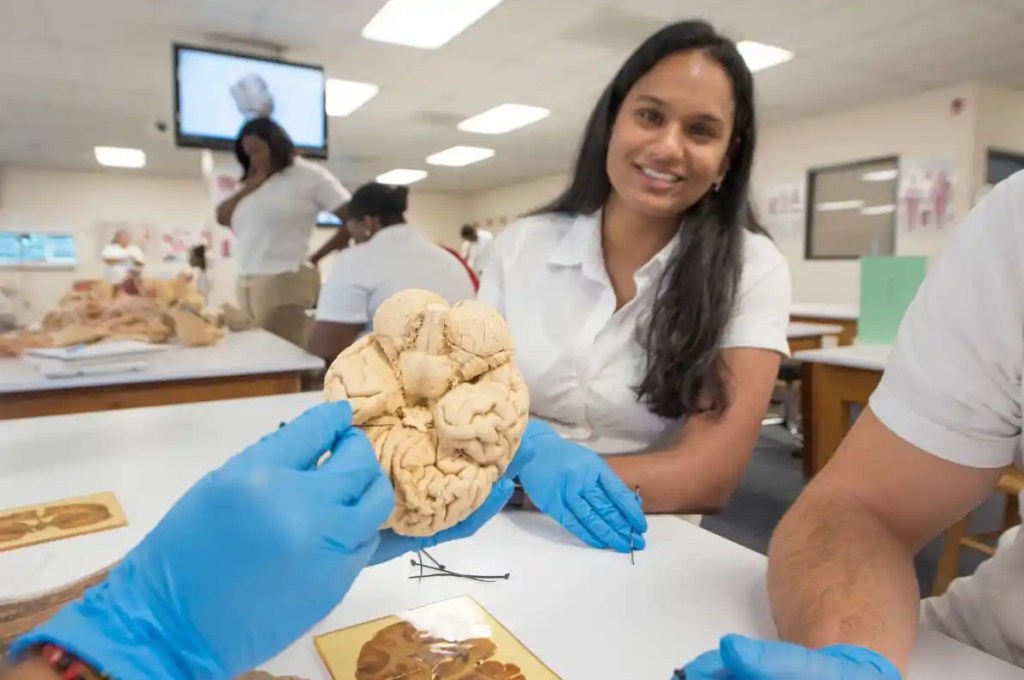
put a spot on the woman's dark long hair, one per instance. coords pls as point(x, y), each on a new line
point(684, 372)
point(282, 148)
point(385, 202)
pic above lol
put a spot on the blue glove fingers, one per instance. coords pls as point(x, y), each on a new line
point(537, 427)
point(352, 526)
point(609, 523)
point(351, 451)
point(761, 660)
point(625, 499)
point(707, 666)
point(605, 536)
point(865, 656)
point(301, 442)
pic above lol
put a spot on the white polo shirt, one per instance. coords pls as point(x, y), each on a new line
point(580, 357)
point(396, 258)
point(273, 224)
point(953, 387)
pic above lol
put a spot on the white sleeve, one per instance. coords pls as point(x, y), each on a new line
point(492, 279)
point(952, 385)
point(760, 317)
point(328, 193)
point(344, 298)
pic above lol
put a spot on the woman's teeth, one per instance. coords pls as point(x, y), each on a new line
point(663, 176)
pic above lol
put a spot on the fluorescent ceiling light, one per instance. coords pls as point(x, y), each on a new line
point(345, 96)
point(117, 157)
point(879, 176)
point(835, 206)
point(503, 118)
point(427, 24)
point(457, 156)
point(401, 176)
point(878, 210)
point(760, 56)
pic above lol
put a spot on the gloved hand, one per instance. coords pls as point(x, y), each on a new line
point(392, 545)
point(576, 487)
point(741, 658)
point(249, 559)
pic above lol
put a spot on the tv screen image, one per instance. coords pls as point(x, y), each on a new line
point(216, 93)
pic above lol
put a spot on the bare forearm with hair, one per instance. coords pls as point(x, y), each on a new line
point(680, 480)
point(838, 574)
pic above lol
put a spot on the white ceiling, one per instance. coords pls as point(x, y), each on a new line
point(80, 73)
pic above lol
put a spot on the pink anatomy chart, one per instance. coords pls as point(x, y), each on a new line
point(926, 194)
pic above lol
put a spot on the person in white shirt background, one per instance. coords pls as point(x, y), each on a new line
point(121, 257)
point(390, 256)
point(939, 430)
point(648, 308)
point(273, 216)
point(199, 273)
point(475, 245)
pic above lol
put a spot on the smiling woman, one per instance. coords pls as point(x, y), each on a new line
point(648, 307)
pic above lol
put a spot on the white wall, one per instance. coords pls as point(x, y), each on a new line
point(80, 202)
point(507, 203)
point(921, 125)
point(1000, 124)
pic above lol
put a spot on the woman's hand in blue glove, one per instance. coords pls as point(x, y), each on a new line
point(247, 561)
point(576, 487)
point(741, 658)
point(392, 545)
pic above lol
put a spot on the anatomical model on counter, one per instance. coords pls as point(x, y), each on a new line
point(438, 393)
point(94, 311)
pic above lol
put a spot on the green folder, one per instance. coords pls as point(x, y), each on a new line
point(887, 285)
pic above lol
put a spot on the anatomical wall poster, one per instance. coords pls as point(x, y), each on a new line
point(927, 190)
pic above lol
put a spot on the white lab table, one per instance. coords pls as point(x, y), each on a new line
point(845, 315)
point(834, 378)
point(584, 612)
point(804, 336)
point(247, 364)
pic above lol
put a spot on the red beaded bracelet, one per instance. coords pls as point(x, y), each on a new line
point(66, 664)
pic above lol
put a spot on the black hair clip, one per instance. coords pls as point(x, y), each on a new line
point(438, 570)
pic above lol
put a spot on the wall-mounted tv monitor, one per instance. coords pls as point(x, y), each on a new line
point(37, 250)
point(216, 93)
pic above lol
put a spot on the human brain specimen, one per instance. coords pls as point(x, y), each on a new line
point(437, 391)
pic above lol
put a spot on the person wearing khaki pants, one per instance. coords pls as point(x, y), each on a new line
point(278, 302)
point(273, 215)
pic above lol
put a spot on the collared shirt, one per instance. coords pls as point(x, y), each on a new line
point(396, 258)
point(273, 224)
point(580, 357)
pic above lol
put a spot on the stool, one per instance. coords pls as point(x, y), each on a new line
point(789, 375)
point(1010, 483)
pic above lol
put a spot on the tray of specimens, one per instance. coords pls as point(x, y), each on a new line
point(455, 639)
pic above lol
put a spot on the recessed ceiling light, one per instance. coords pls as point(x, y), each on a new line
point(835, 206)
point(345, 96)
point(878, 209)
point(117, 157)
point(760, 56)
point(427, 24)
point(457, 156)
point(879, 176)
point(503, 118)
point(401, 176)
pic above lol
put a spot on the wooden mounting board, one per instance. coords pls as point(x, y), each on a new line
point(57, 520)
point(450, 622)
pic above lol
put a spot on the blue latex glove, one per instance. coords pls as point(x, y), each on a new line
point(576, 487)
point(741, 658)
point(249, 559)
point(392, 545)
